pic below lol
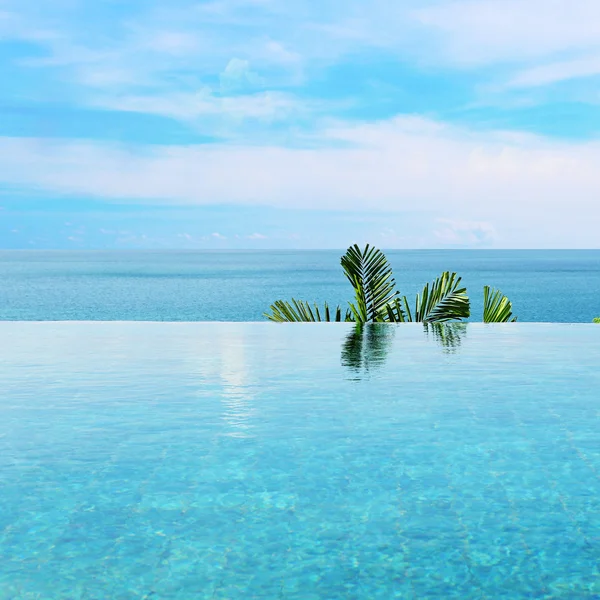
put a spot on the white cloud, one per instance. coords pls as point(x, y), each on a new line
point(159, 61)
point(170, 50)
point(158, 46)
point(277, 53)
point(174, 43)
point(455, 232)
point(218, 236)
point(484, 31)
point(501, 179)
point(257, 236)
point(238, 75)
point(262, 106)
point(557, 71)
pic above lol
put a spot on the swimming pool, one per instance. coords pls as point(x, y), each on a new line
point(222, 460)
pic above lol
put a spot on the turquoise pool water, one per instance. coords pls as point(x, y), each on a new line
point(238, 461)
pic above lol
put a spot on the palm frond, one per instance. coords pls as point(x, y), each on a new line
point(370, 274)
point(597, 320)
point(397, 311)
point(497, 308)
point(442, 300)
point(299, 311)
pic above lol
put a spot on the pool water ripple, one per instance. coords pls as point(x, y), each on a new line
point(235, 461)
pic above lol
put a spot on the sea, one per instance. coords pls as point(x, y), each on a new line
point(543, 285)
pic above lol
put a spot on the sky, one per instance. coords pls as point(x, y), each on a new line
point(299, 124)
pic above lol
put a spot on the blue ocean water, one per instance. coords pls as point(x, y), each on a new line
point(239, 461)
point(556, 285)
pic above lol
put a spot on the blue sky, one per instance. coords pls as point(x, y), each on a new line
point(299, 124)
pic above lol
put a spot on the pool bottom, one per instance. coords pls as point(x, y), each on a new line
point(260, 461)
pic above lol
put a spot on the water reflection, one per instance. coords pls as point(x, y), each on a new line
point(448, 335)
point(366, 346)
point(236, 378)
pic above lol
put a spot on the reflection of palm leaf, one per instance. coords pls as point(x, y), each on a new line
point(298, 311)
point(371, 277)
point(443, 300)
point(377, 337)
point(366, 346)
point(448, 335)
point(352, 349)
point(497, 308)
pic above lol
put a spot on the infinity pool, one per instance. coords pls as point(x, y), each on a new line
point(238, 461)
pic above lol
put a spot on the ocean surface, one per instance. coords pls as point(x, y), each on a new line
point(555, 285)
point(239, 461)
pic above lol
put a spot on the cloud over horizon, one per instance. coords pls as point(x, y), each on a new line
point(480, 113)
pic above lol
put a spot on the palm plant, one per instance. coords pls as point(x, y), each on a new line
point(298, 311)
point(370, 274)
point(496, 307)
point(377, 300)
point(443, 301)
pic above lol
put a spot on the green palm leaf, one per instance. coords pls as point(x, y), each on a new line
point(397, 311)
point(299, 311)
point(370, 274)
point(597, 320)
point(497, 308)
point(443, 300)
